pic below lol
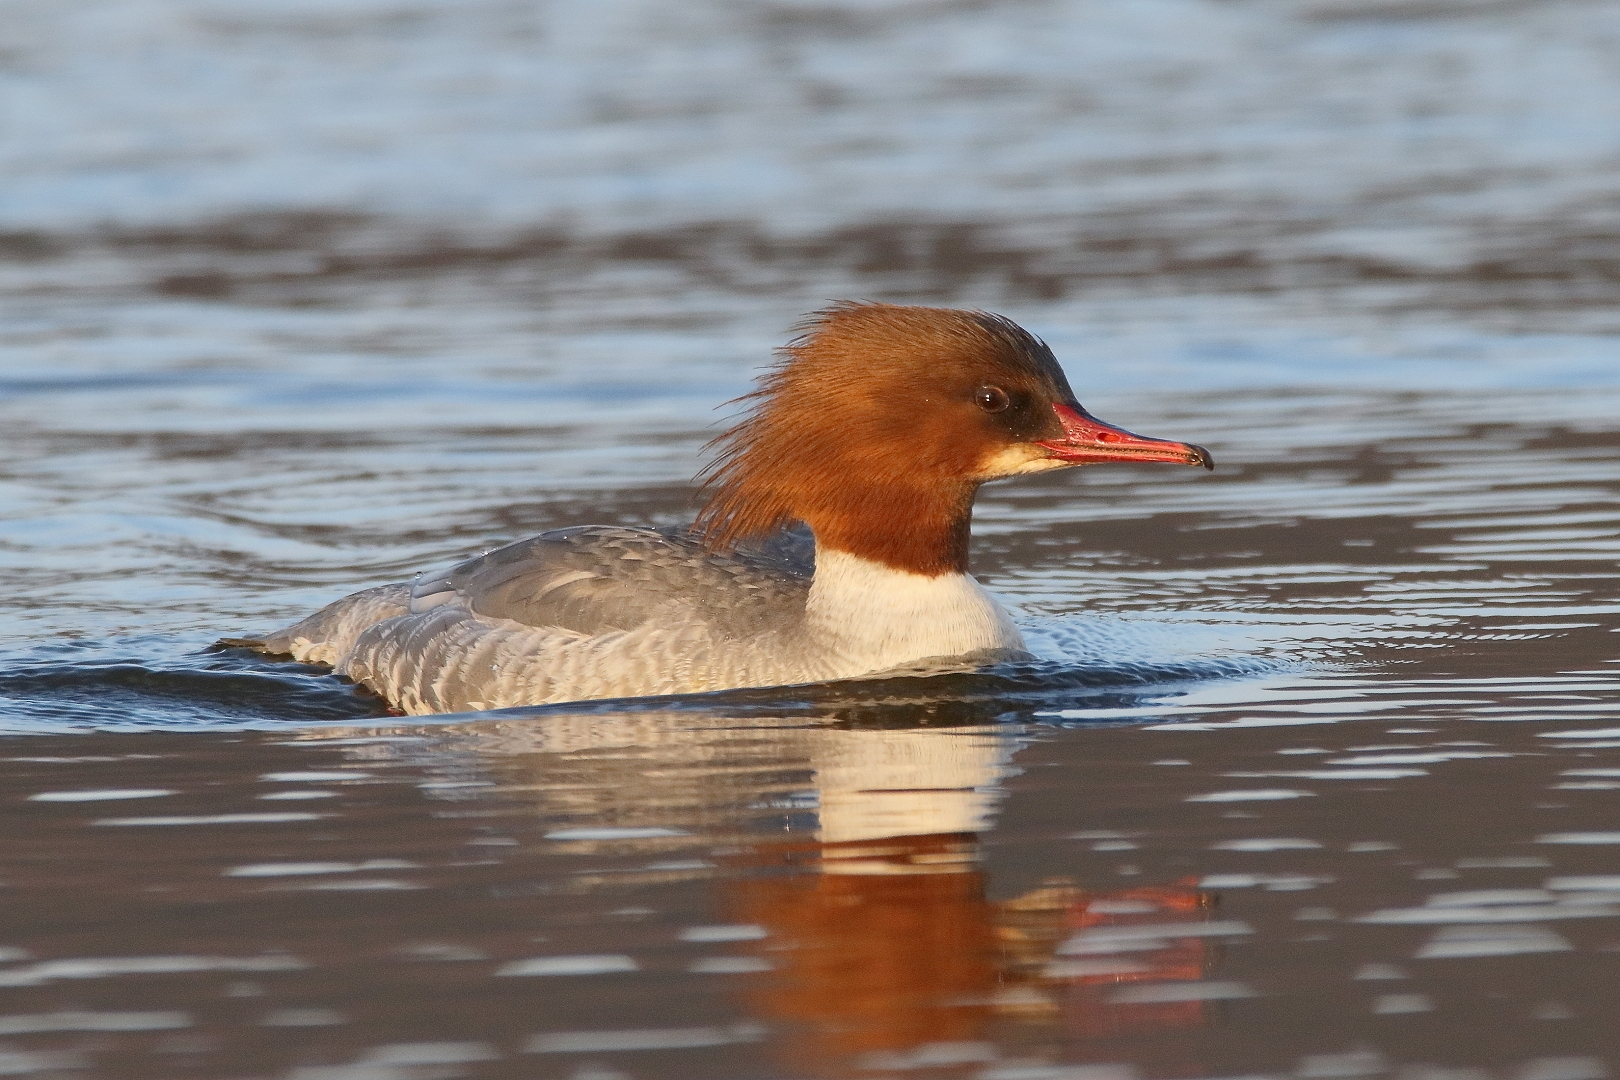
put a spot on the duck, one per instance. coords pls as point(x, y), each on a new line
point(831, 541)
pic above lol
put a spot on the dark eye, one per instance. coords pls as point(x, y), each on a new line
point(991, 398)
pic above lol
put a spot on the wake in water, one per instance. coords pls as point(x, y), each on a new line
point(124, 686)
point(1081, 664)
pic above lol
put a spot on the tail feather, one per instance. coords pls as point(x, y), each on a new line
point(327, 636)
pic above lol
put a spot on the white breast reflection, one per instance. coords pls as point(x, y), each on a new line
point(878, 784)
point(833, 785)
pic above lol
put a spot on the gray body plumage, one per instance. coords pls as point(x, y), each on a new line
point(573, 614)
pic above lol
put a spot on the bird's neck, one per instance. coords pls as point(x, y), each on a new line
point(919, 530)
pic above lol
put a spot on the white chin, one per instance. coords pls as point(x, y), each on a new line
point(1019, 459)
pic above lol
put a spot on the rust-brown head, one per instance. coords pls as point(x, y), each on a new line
point(879, 422)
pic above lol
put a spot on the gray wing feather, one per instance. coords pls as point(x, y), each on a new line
point(593, 579)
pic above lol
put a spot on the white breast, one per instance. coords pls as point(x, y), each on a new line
point(873, 617)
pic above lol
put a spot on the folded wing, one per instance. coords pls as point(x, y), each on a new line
point(595, 579)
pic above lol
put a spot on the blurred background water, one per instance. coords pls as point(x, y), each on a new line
point(301, 296)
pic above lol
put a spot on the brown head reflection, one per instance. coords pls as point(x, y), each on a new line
point(888, 956)
point(891, 945)
point(888, 943)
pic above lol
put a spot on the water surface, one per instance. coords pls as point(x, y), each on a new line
point(1315, 774)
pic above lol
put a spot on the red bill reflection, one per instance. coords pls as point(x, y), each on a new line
point(1130, 937)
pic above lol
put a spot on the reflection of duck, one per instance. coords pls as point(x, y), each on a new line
point(856, 853)
point(875, 431)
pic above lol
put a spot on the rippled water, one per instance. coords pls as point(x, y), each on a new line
point(1315, 774)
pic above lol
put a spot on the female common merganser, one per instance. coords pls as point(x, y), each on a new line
point(875, 429)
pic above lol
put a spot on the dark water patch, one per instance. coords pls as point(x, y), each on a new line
point(239, 689)
point(1548, 267)
point(1562, 261)
point(1403, 10)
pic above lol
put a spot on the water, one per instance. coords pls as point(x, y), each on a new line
point(1314, 774)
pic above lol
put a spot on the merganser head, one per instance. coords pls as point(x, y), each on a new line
point(879, 422)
